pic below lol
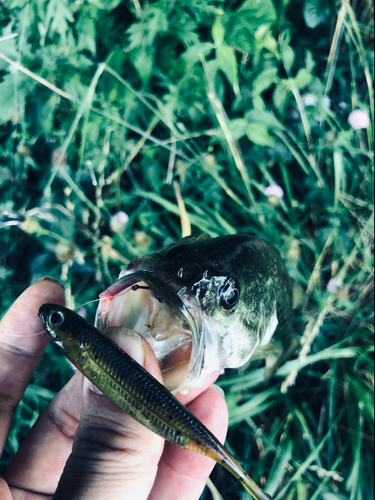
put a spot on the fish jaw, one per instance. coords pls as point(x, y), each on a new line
point(123, 305)
point(211, 341)
point(173, 328)
point(189, 342)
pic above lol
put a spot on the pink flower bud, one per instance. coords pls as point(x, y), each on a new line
point(119, 221)
point(274, 190)
point(359, 119)
point(334, 285)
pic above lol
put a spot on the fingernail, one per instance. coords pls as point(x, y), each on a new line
point(218, 389)
point(53, 280)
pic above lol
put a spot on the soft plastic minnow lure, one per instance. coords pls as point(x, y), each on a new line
point(134, 390)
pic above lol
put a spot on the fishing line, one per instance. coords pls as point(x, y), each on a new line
point(22, 335)
point(43, 331)
point(133, 288)
point(76, 310)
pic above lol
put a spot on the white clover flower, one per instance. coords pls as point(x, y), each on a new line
point(274, 193)
point(334, 285)
point(359, 119)
point(326, 101)
point(274, 190)
point(309, 100)
point(119, 221)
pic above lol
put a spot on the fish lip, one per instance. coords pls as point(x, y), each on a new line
point(177, 300)
point(162, 289)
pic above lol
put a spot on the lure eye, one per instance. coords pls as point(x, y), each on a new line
point(56, 318)
point(229, 298)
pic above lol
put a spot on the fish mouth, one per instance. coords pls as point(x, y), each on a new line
point(170, 321)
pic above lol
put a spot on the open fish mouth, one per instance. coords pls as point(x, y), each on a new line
point(171, 324)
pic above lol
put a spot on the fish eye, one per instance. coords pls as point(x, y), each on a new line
point(56, 318)
point(229, 298)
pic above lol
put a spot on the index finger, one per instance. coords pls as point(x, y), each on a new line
point(20, 348)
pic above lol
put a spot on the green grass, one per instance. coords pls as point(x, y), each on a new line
point(104, 106)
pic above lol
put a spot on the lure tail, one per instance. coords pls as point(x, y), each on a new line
point(223, 457)
point(254, 489)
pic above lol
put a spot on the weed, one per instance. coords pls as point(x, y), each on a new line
point(187, 112)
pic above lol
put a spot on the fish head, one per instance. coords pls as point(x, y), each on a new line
point(203, 304)
point(57, 321)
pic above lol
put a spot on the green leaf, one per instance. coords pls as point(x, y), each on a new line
point(193, 53)
point(264, 118)
point(257, 404)
point(142, 61)
point(143, 34)
point(278, 472)
point(303, 78)
point(315, 13)
point(228, 64)
point(267, 78)
point(240, 26)
point(258, 12)
point(8, 47)
point(184, 26)
point(264, 39)
point(109, 4)
point(218, 31)
point(59, 15)
point(203, 223)
point(287, 56)
point(188, 37)
point(259, 135)
point(86, 34)
point(309, 61)
point(329, 353)
point(237, 129)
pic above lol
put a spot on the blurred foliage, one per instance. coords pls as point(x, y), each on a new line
point(104, 104)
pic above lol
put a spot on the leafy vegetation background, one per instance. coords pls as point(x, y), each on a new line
point(118, 106)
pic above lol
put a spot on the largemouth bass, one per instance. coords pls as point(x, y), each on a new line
point(134, 390)
point(204, 305)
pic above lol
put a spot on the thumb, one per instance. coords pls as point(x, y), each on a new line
point(113, 456)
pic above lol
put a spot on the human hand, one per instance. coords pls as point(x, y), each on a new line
point(83, 445)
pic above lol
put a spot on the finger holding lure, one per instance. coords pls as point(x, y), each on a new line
point(134, 390)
